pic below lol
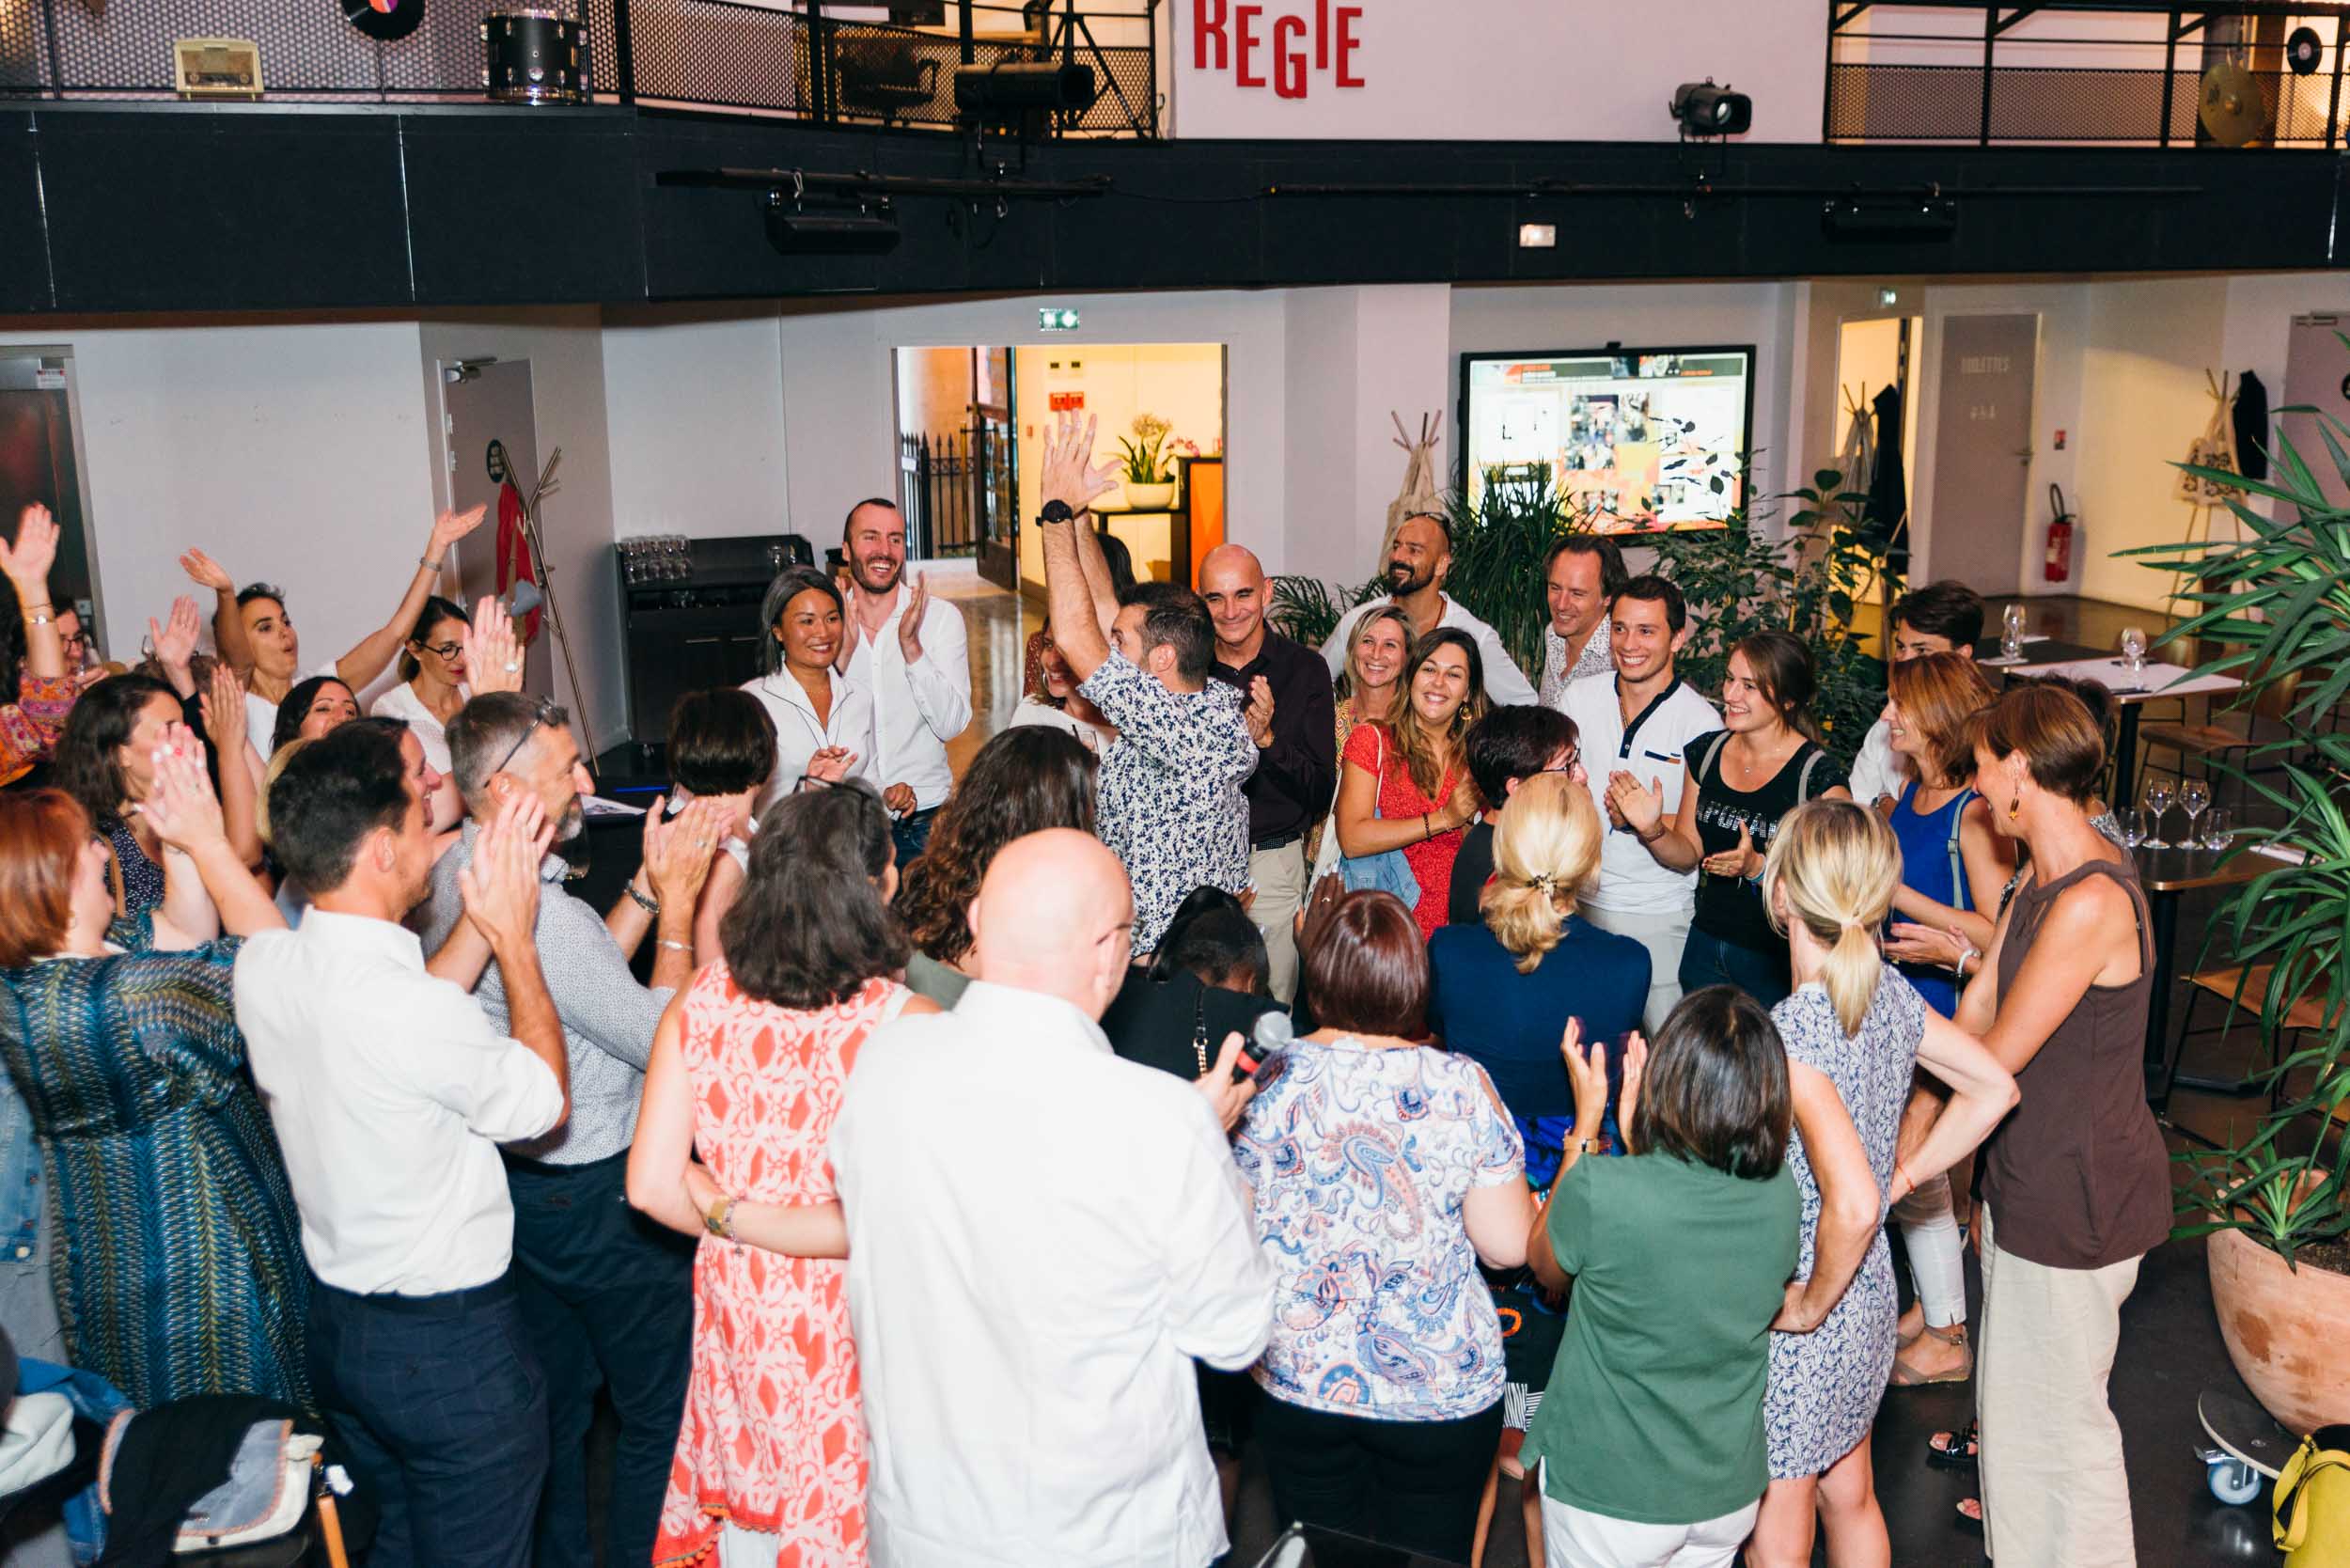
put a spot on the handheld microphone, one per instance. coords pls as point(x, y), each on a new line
point(1271, 1035)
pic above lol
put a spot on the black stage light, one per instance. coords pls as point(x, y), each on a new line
point(1707, 110)
point(1019, 87)
point(797, 228)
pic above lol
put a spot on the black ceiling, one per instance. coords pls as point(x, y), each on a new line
point(174, 208)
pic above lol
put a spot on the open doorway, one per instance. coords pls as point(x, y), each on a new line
point(1876, 420)
point(957, 455)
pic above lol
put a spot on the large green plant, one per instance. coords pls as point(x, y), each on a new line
point(1739, 582)
point(1498, 546)
point(2277, 600)
point(1309, 609)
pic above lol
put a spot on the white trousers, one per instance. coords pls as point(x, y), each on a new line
point(1575, 1538)
point(1930, 1231)
point(1280, 875)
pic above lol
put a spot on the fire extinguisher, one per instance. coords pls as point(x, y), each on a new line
point(2059, 566)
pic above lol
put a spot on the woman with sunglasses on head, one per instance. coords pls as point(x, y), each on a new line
point(277, 649)
point(1404, 784)
point(432, 677)
point(823, 720)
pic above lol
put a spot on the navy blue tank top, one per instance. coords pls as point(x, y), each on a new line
point(1932, 865)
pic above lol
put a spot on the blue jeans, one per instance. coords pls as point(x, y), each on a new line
point(440, 1402)
point(607, 1297)
point(912, 836)
point(1707, 960)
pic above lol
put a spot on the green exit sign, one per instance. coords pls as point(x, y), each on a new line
point(1057, 319)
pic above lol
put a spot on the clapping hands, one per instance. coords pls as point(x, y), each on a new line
point(1741, 860)
point(500, 884)
point(1258, 715)
point(1638, 806)
point(494, 655)
point(678, 848)
point(910, 619)
point(180, 805)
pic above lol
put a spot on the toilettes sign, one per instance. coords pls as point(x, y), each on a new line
point(1488, 69)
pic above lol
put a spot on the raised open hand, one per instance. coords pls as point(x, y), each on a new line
point(206, 572)
point(910, 622)
point(27, 562)
point(830, 764)
point(180, 805)
point(174, 640)
point(1640, 805)
point(1067, 473)
point(1628, 1096)
point(493, 656)
point(450, 527)
point(1741, 860)
point(224, 711)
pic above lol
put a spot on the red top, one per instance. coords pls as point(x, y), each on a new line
point(1372, 748)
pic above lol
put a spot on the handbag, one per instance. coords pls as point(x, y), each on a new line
point(2311, 1516)
point(1387, 872)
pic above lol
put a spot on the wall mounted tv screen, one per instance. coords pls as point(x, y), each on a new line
point(1638, 440)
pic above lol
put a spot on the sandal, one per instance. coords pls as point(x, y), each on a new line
point(1906, 1376)
point(1969, 1524)
point(1958, 1453)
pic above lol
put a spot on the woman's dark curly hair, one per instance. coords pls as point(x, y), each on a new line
point(810, 927)
point(100, 724)
point(1025, 780)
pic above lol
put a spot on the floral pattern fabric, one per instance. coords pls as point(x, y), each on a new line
point(773, 1435)
point(29, 727)
point(1824, 1385)
point(1361, 1159)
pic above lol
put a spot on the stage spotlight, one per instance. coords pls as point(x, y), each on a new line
point(1010, 87)
point(798, 228)
point(1703, 109)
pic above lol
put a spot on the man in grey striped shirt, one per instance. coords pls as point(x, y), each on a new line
point(606, 1295)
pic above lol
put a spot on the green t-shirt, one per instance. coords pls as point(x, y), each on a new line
point(1654, 1408)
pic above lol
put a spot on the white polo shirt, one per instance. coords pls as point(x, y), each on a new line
point(1631, 881)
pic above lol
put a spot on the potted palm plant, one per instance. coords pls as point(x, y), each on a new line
point(1150, 477)
point(2277, 600)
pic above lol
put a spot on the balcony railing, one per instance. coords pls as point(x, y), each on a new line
point(725, 57)
point(2075, 71)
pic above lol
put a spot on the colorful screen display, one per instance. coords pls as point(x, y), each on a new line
point(1639, 440)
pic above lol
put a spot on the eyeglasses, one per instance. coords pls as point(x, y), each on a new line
point(79, 639)
point(540, 716)
point(442, 650)
point(1574, 761)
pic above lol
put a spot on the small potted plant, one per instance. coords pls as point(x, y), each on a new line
point(1150, 478)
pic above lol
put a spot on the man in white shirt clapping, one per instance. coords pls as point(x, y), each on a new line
point(1042, 1238)
point(390, 1092)
point(910, 651)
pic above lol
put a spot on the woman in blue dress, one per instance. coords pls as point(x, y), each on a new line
point(1856, 1031)
point(177, 1263)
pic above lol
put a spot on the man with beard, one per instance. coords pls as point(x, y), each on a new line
point(1416, 568)
point(606, 1295)
point(910, 652)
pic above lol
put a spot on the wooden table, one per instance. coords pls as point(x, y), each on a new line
point(2167, 874)
point(2155, 682)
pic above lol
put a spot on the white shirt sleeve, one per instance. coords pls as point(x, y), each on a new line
point(450, 1054)
point(854, 726)
point(1504, 682)
point(1221, 1303)
point(1877, 770)
point(941, 678)
point(1334, 651)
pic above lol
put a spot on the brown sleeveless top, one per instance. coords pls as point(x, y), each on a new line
point(2078, 1177)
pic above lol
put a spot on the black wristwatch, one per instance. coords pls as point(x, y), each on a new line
point(1057, 511)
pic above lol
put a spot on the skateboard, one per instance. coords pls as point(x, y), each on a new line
point(2248, 1446)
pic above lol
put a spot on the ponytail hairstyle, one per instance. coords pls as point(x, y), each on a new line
point(436, 609)
point(1835, 866)
point(1546, 844)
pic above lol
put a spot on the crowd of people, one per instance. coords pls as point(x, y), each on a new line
point(934, 1170)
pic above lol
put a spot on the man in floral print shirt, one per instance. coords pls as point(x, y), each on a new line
point(1168, 802)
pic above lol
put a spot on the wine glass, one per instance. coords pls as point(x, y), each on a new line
point(2132, 829)
point(2194, 794)
point(2219, 832)
point(2011, 633)
point(2134, 648)
point(2158, 802)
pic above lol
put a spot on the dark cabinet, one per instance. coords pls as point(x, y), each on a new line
point(688, 633)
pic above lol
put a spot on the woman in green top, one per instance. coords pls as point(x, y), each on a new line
point(1651, 1435)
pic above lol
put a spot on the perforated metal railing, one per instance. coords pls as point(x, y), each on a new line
point(722, 55)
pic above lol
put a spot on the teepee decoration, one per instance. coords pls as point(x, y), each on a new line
point(2213, 449)
point(1420, 493)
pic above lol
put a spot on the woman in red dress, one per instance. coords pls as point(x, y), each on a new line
point(748, 1069)
point(1404, 784)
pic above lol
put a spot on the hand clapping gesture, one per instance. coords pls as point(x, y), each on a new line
point(1259, 712)
point(1916, 944)
point(1066, 474)
point(493, 656)
point(500, 885)
point(1742, 860)
point(224, 710)
point(830, 764)
point(678, 848)
point(181, 807)
point(910, 622)
point(1586, 1070)
point(1640, 807)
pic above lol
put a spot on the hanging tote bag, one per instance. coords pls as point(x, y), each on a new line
point(1386, 872)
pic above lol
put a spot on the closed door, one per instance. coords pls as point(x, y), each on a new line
point(1982, 451)
point(493, 439)
point(2317, 384)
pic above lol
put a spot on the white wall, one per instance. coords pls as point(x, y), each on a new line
point(292, 451)
point(565, 347)
point(693, 401)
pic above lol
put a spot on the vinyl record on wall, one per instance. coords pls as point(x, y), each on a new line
point(383, 20)
point(2305, 51)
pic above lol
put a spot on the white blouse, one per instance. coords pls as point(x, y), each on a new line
point(799, 735)
point(401, 702)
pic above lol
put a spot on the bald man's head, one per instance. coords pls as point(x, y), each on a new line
point(1232, 580)
point(1053, 914)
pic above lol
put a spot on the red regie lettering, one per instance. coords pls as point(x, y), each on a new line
point(1288, 55)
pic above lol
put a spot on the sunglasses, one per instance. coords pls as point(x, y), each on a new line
point(538, 716)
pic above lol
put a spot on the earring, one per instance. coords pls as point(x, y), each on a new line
point(2014, 803)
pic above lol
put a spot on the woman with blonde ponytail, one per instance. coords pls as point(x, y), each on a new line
point(1854, 1029)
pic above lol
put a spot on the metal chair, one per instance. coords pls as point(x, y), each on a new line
point(2239, 989)
point(886, 78)
point(2224, 734)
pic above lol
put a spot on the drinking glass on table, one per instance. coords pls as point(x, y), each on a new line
point(2134, 648)
point(2158, 802)
point(2219, 832)
point(2132, 829)
point(2194, 794)
point(2012, 632)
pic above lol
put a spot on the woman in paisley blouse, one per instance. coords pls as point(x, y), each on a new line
point(1384, 1170)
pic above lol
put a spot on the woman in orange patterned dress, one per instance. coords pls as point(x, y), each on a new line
point(747, 1070)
